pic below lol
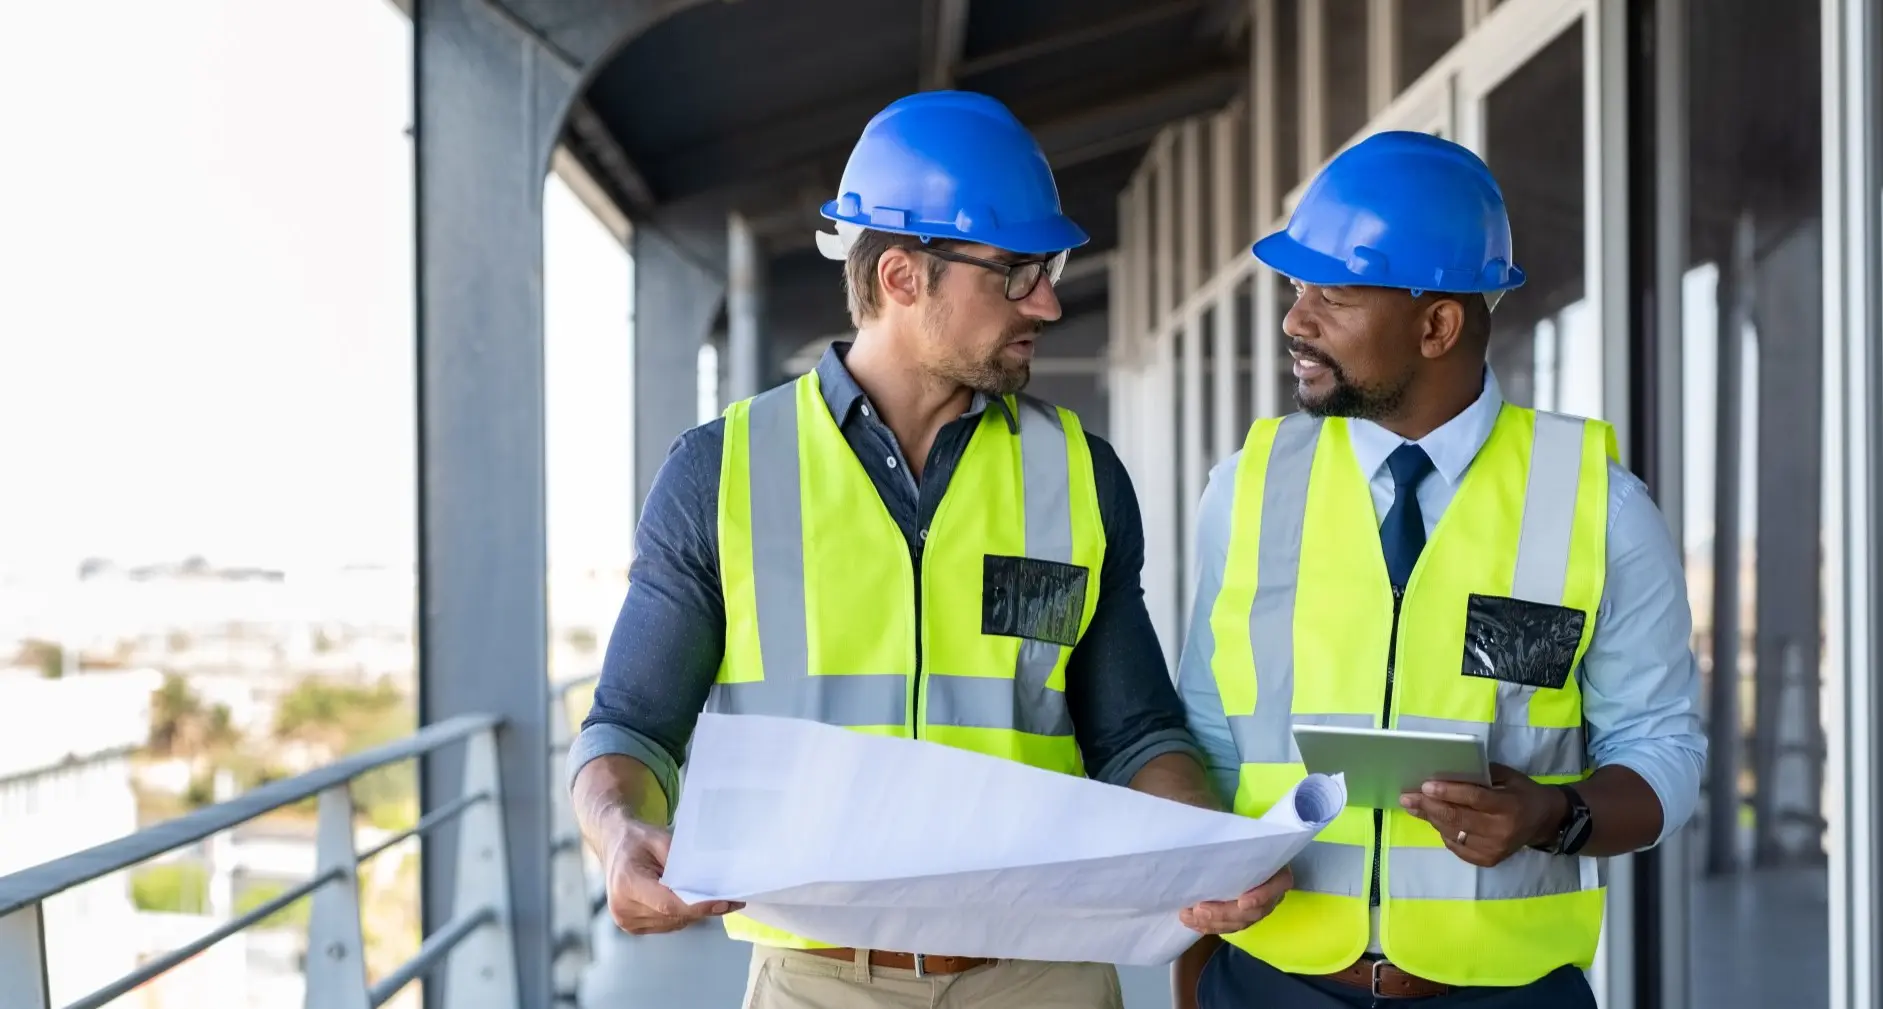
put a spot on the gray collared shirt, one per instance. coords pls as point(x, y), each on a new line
point(668, 641)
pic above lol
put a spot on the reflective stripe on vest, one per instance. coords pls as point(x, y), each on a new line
point(1291, 650)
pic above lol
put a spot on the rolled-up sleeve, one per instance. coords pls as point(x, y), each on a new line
point(667, 642)
point(1125, 711)
point(1640, 681)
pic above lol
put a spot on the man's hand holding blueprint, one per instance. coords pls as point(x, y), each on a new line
point(1039, 865)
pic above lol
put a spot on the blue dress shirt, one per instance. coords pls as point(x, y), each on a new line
point(670, 636)
point(1640, 682)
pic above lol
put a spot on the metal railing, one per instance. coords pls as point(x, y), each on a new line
point(575, 899)
point(474, 947)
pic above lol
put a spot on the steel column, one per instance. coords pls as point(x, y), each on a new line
point(489, 103)
point(1853, 383)
point(1162, 548)
point(744, 286)
point(1382, 39)
point(1192, 461)
point(1311, 124)
point(677, 293)
point(1656, 912)
point(1265, 348)
point(1725, 736)
point(1230, 249)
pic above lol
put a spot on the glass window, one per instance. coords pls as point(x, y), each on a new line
point(1210, 219)
point(1235, 238)
point(1287, 97)
point(1245, 358)
point(1344, 88)
point(1545, 345)
point(1426, 31)
point(1752, 332)
point(1210, 361)
point(1156, 181)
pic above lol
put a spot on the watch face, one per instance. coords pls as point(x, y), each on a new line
point(1576, 835)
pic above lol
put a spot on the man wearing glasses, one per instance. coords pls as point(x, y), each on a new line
point(899, 542)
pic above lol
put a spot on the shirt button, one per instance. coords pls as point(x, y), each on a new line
point(891, 460)
point(923, 534)
point(866, 409)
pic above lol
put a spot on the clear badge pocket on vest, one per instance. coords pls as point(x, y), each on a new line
point(1518, 641)
point(1022, 597)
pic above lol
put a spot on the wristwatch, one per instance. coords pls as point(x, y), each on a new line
point(1574, 833)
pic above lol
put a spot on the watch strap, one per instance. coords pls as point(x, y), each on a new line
point(1577, 816)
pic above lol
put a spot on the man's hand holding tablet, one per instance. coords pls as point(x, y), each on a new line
point(1485, 812)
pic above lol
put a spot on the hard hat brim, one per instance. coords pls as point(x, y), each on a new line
point(1281, 253)
point(1031, 238)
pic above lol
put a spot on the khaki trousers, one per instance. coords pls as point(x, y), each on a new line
point(792, 979)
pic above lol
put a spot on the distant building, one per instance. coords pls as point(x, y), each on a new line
point(65, 785)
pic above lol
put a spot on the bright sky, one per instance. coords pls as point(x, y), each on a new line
point(206, 293)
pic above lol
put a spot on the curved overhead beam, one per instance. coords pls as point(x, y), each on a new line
point(578, 37)
point(594, 145)
point(810, 149)
point(590, 31)
point(1162, 11)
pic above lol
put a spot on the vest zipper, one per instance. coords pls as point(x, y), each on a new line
point(915, 688)
point(1386, 719)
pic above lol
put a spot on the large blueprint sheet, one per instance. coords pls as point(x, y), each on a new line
point(896, 844)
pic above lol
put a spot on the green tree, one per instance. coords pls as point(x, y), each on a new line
point(46, 656)
point(174, 887)
point(254, 895)
point(182, 725)
point(346, 718)
point(175, 710)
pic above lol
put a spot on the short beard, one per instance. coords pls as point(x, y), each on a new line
point(1348, 398)
point(989, 376)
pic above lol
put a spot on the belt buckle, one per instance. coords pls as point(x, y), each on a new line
point(921, 964)
point(1377, 964)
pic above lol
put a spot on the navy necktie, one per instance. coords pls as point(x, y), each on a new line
point(1402, 534)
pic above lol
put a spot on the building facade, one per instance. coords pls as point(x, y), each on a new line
point(65, 785)
point(1694, 193)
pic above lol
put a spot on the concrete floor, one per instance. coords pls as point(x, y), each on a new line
point(1760, 940)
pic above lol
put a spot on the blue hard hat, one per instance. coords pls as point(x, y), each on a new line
point(1399, 209)
point(952, 164)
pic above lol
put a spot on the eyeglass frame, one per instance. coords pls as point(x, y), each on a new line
point(1050, 267)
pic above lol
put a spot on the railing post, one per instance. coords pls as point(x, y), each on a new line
point(569, 903)
point(482, 971)
point(23, 960)
point(336, 946)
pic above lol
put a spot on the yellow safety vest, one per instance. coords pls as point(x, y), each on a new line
point(825, 618)
point(1305, 630)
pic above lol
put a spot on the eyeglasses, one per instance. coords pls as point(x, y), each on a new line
point(1022, 277)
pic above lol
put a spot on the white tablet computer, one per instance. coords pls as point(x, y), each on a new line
point(1383, 764)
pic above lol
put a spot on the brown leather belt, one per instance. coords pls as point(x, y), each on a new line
point(923, 964)
point(1384, 980)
